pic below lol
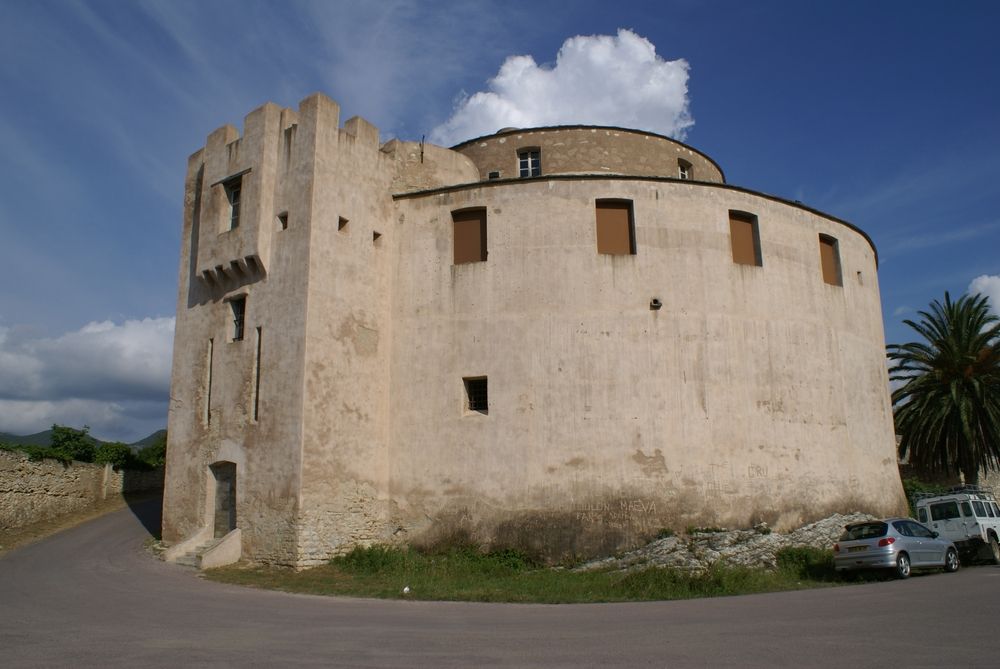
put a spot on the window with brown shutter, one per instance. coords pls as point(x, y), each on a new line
point(470, 235)
point(615, 227)
point(829, 256)
point(745, 238)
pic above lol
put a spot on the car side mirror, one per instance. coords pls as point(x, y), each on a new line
point(935, 535)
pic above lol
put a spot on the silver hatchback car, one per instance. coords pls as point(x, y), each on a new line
point(901, 544)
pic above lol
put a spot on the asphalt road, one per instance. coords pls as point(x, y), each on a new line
point(91, 596)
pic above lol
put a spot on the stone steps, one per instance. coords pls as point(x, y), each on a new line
point(193, 557)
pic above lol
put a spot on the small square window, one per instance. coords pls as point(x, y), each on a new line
point(493, 175)
point(529, 163)
point(234, 188)
point(239, 307)
point(476, 394)
point(684, 169)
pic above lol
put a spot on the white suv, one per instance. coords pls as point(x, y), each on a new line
point(967, 516)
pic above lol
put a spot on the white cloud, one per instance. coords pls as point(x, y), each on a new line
point(990, 287)
point(114, 377)
point(599, 79)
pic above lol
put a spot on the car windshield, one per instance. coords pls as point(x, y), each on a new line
point(864, 531)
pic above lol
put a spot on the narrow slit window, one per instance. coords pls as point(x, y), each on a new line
point(239, 307)
point(234, 191)
point(476, 394)
point(829, 256)
point(745, 237)
point(256, 378)
point(376, 236)
point(470, 235)
point(615, 227)
point(529, 162)
point(208, 382)
point(342, 223)
point(283, 220)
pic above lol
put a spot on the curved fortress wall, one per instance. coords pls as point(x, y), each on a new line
point(754, 393)
point(430, 353)
point(586, 149)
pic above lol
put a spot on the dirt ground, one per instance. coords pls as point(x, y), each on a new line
point(22, 536)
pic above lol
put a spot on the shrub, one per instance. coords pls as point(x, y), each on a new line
point(913, 487)
point(37, 453)
point(457, 559)
point(509, 559)
point(373, 559)
point(807, 562)
point(154, 455)
point(73, 444)
point(115, 453)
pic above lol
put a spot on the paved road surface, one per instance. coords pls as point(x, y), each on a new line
point(91, 597)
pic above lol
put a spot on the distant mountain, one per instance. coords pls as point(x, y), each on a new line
point(37, 439)
point(148, 441)
point(45, 438)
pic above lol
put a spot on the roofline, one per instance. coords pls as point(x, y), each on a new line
point(491, 183)
point(515, 131)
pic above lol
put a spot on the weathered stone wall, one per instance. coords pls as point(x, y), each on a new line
point(756, 393)
point(31, 492)
point(421, 166)
point(589, 150)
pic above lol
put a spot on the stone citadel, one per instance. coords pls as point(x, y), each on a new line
point(559, 339)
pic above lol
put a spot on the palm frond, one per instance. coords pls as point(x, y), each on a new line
point(947, 408)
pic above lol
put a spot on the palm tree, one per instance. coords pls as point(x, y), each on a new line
point(947, 409)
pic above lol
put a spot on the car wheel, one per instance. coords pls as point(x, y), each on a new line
point(903, 566)
point(994, 549)
point(951, 561)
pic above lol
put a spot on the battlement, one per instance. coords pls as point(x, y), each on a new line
point(243, 188)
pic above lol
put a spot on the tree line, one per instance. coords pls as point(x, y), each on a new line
point(68, 444)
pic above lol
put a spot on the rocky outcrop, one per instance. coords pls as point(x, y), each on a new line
point(743, 548)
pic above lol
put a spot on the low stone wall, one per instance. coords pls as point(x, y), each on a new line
point(31, 492)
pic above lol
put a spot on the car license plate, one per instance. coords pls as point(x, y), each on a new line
point(857, 549)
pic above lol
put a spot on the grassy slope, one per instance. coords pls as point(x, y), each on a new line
point(464, 574)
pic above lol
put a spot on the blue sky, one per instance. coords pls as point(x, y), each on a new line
point(884, 114)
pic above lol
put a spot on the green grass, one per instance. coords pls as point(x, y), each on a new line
point(466, 574)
